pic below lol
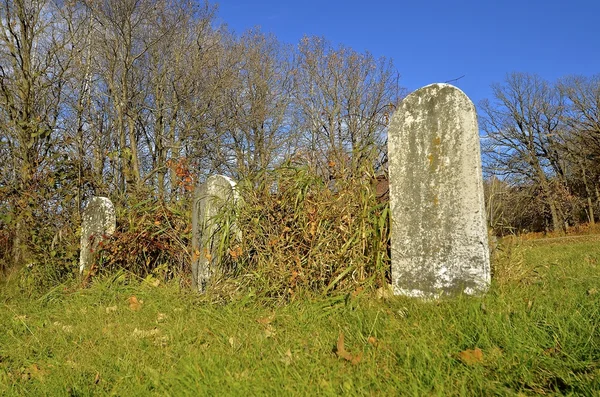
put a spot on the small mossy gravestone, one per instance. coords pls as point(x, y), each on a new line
point(97, 221)
point(439, 234)
point(209, 199)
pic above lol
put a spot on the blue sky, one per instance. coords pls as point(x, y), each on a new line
point(435, 41)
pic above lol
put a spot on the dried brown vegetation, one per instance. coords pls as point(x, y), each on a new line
point(300, 234)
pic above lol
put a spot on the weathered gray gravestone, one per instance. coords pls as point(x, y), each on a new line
point(439, 234)
point(209, 198)
point(98, 220)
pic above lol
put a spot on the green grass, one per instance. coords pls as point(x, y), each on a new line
point(538, 330)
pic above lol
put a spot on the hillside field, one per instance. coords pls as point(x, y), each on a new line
point(536, 332)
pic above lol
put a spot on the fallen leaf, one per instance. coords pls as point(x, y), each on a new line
point(342, 353)
point(140, 333)
point(294, 276)
point(236, 252)
point(471, 357)
point(265, 320)
point(592, 291)
point(373, 341)
point(135, 304)
point(287, 358)
point(97, 378)
point(552, 350)
point(357, 291)
point(161, 317)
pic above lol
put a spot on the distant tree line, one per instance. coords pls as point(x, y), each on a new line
point(542, 153)
point(140, 100)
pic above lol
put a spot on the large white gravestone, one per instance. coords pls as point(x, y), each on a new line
point(209, 198)
point(97, 221)
point(439, 234)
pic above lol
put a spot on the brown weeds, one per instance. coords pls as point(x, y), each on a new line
point(298, 233)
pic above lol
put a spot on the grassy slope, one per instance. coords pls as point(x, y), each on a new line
point(538, 331)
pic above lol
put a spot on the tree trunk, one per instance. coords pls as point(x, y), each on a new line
point(588, 192)
point(20, 248)
point(557, 222)
point(135, 161)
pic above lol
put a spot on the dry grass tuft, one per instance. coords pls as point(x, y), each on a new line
point(297, 233)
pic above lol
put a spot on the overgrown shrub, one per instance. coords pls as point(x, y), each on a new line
point(39, 241)
point(299, 233)
point(151, 239)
